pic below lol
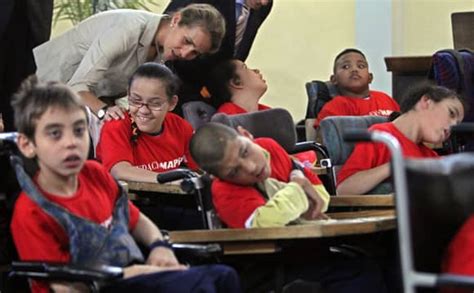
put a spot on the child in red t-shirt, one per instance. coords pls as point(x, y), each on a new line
point(53, 129)
point(428, 112)
point(150, 139)
point(352, 78)
point(258, 184)
point(236, 89)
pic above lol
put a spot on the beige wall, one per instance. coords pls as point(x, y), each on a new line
point(300, 38)
point(420, 27)
point(296, 44)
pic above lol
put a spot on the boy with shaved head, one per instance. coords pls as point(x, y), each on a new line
point(258, 184)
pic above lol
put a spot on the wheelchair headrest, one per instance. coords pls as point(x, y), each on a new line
point(197, 113)
point(275, 123)
point(332, 130)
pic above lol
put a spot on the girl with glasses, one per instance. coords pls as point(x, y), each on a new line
point(149, 139)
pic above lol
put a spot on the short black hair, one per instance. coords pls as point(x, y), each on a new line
point(208, 146)
point(218, 82)
point(433, 92)
point(347, 51)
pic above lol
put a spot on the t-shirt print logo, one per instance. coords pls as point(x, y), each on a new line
point(166, 165)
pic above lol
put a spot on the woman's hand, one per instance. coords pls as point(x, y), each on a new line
point(114, 113)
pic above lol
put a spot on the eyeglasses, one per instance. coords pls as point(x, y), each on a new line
point(153, 106)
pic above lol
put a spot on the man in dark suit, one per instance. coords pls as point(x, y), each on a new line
point(241, 28)
point(24, 24)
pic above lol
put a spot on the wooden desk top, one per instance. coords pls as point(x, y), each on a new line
point(173, 188)
point(382, 200)
point(408, 63)
point(336, 201)
point(347, 223)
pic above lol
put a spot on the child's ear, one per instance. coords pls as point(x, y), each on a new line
point(244, 132)
point(424, 102)
point(333, 79)
point(371, 77)
point(173, 102)
point(236, 82)
point(175, 19)
point(26, 146)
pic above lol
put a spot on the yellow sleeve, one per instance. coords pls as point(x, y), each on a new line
point(322, 192)
point(285, 206)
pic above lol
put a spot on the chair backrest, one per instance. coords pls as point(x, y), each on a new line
point(276, 123)
point(332, 130)
point(197, 113)
point(463, 30)
point(319, 93)
point(440, 200)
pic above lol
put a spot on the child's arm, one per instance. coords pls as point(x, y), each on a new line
point(125, 171)
point(318, 197)
point(146, 232)
point(364, 181)
point(285, 206)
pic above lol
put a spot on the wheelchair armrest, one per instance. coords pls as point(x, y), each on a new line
point(197, 250)
point(66, 272)
point(311, 146)
point(453, 280)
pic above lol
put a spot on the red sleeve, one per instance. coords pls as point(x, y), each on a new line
point(313, 178)
point(235, 204)
point(37, 236)
point(188, 133)
point(459, 258)
point(114, 145)
point(365, 156)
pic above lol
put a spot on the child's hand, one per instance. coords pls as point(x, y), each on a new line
point(316, 203)
point(162, 257)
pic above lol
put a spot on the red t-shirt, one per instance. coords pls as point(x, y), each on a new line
point(38, 237)
point(459, 258)
point(158, 153)
point(368, 155)
point(235, 203)
point(377, 104)
point(230, 108)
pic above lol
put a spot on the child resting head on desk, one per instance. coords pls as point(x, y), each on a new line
point(257, 184)
point(149, 139)
point(352, 78)
point(78, 215)
point(427, 114)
